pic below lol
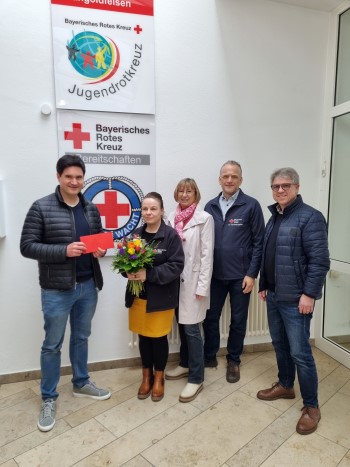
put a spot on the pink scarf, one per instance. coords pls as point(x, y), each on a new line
point(182, 216)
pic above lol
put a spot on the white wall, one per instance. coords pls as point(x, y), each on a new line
point(234, 80)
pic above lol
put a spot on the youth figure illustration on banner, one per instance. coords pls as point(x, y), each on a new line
point(119, 153)
point(104, 55)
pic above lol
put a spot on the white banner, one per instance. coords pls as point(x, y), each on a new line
point(104, 55)
point(119, 154)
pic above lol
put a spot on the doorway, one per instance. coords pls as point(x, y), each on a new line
point(335, 335)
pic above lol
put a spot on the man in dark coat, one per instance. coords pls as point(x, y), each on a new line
point(69, 281)
point(239, 232)
point(294, 267)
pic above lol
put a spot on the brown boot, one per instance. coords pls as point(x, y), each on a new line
point(308, 422)
point(146, 385)
point(158, 386)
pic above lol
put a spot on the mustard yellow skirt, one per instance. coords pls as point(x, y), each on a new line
point(154, 324)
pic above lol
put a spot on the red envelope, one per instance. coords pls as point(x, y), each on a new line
point(101, 240)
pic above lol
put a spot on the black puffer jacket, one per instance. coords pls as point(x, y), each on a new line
point(47, 231)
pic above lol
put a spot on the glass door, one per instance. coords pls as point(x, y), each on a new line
point(335, 338)
point(336, 323)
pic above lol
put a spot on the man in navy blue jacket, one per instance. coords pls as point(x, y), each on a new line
point(239, 232)
point(294, 267)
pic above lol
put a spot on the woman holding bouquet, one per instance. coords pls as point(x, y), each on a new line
point(195, 227)
point(151, 313)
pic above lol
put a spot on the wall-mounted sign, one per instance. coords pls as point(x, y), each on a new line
point(104, 55)
point(119, 154)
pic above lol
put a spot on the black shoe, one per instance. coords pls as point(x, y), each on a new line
point(232, 372)
point(210, 363)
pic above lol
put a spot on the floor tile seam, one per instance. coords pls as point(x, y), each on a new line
point(328, 374)
point(337, 443)
point(264, 355)
point(35, 430)
point(97, 415)
point(163, 438)
point(105, 428)
point(343, 393)
point(93, 402)
point(339, 388)
point(347, 380)
point(20, 402)
point(254, 357)
point(36, 445)
point(344, 457)
point(296, 401)
point(141, 424)
point(265, 402)
point(87, 419)
point(222, 398)
point(280, 445)
point(250, 442)
point(144, 458)
point(70, 465)
point(101, 447)
point(200, 411)
point(332, 395)
point(247, 382)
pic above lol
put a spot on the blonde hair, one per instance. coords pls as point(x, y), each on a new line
point(188, 183)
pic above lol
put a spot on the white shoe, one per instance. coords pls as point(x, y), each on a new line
point(190, 392)
point(177, 373)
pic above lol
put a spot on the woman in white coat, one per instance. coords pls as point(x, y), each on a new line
point(196, 229)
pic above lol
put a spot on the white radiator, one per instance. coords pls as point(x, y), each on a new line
point(257, 324)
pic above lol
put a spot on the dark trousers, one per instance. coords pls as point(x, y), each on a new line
point(239, 314)
point(154, 352)
point(191, 351)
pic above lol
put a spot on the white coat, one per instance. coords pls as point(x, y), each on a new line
point(195, 279)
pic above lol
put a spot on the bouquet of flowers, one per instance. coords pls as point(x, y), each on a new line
point(131, 254)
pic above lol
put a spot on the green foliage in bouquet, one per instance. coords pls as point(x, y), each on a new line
point(131, 254)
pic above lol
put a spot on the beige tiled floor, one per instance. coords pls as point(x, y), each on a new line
point(225, 426)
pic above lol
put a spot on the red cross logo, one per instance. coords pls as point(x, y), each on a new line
point(137, 29)
point(77, 136)
point(111, 209)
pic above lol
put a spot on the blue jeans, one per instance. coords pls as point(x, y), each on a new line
point(239, 314)
point(191, 352)
point(290, 333)
point(79, 305)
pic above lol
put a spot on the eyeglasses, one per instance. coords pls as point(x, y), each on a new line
point(284, 186)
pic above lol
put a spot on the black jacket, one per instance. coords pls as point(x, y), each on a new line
point(162, 279)
point(47, 231)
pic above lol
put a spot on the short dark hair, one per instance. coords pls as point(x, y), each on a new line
point(69, 160)
point(237, 164)
point(155, 195)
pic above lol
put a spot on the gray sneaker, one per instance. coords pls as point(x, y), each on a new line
point(91, 390)
point(46, 419)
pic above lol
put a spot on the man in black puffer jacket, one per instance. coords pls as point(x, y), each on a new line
point(294, 267)
point(69, 281)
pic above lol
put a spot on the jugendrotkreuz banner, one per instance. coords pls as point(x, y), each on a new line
point(104, 55)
